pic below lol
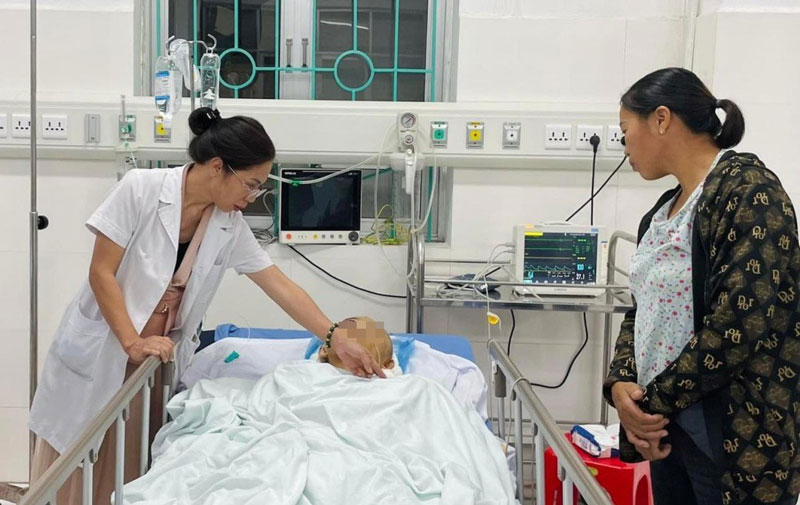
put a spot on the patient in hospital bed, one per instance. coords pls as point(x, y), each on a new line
point(373, 337)
point(274, 426)
point(307, 434)
point(256, 358)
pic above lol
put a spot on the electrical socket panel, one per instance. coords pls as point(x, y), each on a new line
point(558, 136)
point(3, 125)
point(614, 139)
point(584, 134)
point(21, 126)
point(54, 127)
point(512, 135)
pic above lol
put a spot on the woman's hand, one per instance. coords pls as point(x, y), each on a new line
point(159, 346)
point(354, 356)
point(656, 452)
point(643, 430)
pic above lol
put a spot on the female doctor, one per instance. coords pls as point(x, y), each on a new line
point(163, 241)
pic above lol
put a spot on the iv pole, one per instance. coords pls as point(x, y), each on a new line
point(37, 223)
point(34, 227)
point(33, 348)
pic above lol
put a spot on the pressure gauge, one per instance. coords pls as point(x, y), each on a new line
point(408, 120)
point(407, 129)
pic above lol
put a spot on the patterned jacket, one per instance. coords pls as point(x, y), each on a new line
point(745, 354)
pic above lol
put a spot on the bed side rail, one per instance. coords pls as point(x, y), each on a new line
point(613, 269)
point(82, 453)
point(546, 432)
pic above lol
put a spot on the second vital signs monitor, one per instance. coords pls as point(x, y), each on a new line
point(561, 259)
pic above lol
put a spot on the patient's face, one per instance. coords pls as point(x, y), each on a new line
point(371, 335)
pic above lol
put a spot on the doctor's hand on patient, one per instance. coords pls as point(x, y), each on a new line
point(354, 356)
point(644, 431)
point(159, 346)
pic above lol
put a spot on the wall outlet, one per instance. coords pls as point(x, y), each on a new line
point(3, 125)
point(21, 126)
point(558, 136)
point(475, 130)
point(512, 135)
point(439, 133)
point(54, 127)
point(160, 132)
point(127, 128)
point(585, 133)
point(614, 139)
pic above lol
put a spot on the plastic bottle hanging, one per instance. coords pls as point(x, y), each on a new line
point(209, 77)
point(167, 86)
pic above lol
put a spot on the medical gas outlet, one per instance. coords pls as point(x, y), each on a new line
point(439, 133)
point(511, 135)
point(475, 130)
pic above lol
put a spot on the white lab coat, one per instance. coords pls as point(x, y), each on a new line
point(85, 365)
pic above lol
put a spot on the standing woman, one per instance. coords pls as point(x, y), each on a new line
point(704, 376)
point(163, 241)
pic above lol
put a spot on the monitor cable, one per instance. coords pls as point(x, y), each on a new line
point(595, 142)
point(399, 297)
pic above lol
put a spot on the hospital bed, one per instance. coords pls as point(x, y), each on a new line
point(507, 380)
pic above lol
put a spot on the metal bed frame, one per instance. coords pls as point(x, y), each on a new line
point(544, 430)
point(83, 452)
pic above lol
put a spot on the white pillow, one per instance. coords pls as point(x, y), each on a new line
point(258, 357)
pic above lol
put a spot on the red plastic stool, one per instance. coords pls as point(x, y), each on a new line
point(626, 483)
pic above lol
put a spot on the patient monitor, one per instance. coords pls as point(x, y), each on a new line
point(560, 259)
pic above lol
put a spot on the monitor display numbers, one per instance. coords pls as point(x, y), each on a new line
point(560, 258)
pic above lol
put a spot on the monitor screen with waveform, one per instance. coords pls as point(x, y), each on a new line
point(560, 258)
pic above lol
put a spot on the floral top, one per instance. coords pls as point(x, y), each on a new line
point(661, 281)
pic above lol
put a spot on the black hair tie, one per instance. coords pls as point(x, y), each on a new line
point(718, 104)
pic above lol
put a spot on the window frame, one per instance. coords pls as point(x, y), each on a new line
point(295, 18)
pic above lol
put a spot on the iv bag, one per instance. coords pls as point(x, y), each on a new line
point(209, 80)
point(167, 84)
point(181, 53)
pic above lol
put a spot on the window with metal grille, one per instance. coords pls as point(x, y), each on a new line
point(320, 49)
point(380, 50)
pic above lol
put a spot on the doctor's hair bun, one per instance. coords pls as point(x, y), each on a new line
point(202, 119)
point(240, 141)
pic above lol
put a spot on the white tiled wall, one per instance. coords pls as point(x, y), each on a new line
point(564, 51)
point(75, 49)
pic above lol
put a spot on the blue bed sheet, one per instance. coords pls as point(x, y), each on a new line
point(451, 344)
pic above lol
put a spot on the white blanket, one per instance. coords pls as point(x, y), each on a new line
point(309, 434)
point(258, 357)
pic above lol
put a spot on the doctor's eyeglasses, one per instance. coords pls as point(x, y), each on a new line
point(253, 191)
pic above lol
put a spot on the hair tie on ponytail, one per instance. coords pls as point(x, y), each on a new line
point(214, 115)
point(685, 95)
point(202, 119)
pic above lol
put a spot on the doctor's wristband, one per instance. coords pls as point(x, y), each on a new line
point(329, 335)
